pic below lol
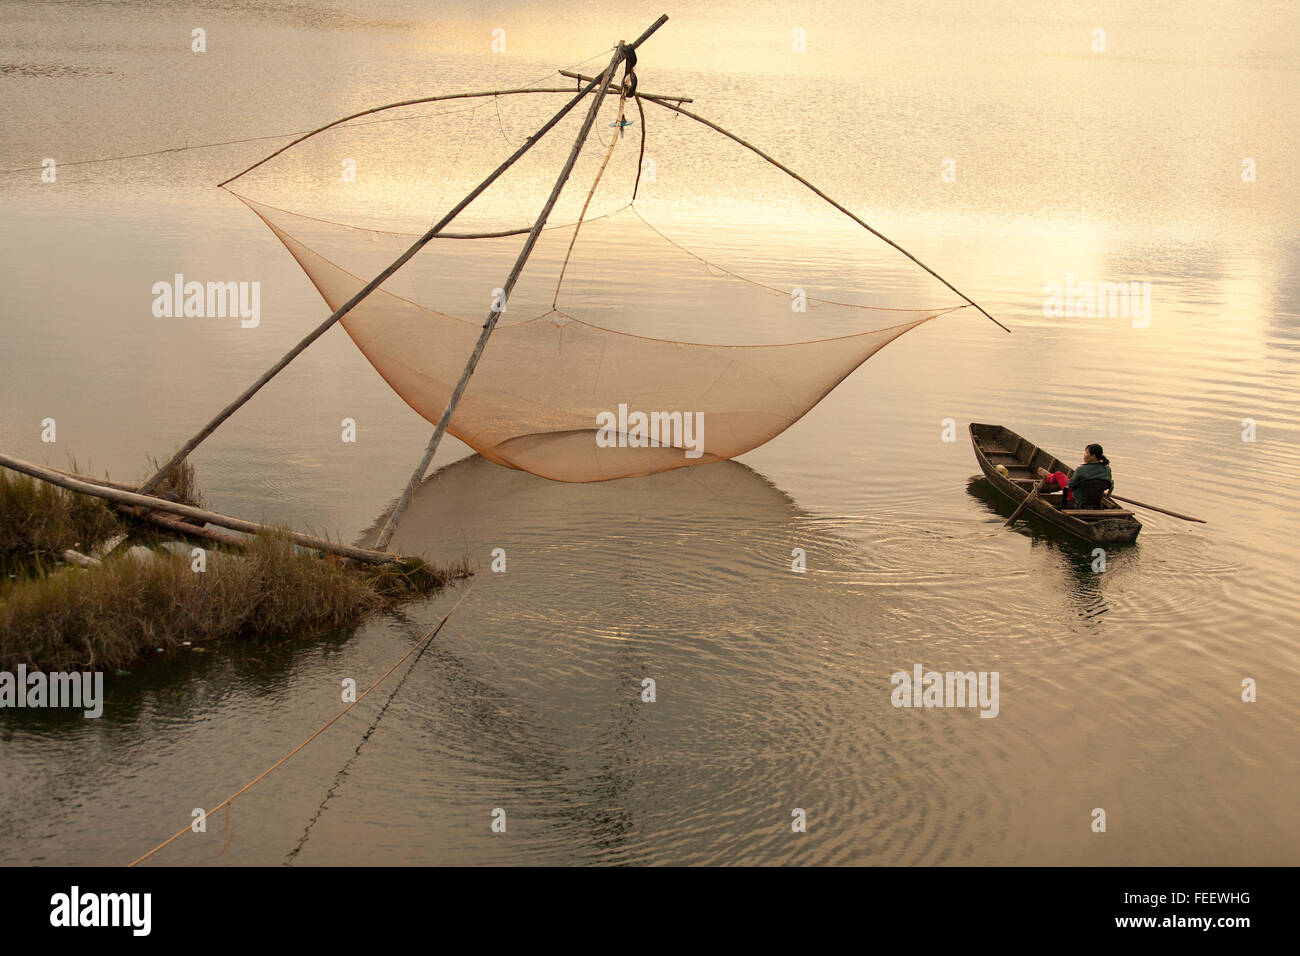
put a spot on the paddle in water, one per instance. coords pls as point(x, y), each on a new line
point(1163, 511)
point(1028, 498)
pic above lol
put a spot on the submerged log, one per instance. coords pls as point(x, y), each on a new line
point(132, 499)
point(182, 527)
point(79, 559)
point(105, 548)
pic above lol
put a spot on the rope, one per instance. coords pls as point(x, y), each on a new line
point(769, 288)
point(618, 134)
point(236, 142)
point(641, 158)
point(423, 642)
point(257, 139)
point(338, 778)
point(496, 101)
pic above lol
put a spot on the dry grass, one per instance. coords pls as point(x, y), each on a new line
point(37, 518)
point(408, 577)
point(57, 617)
point(107, 616)
point(179, 485)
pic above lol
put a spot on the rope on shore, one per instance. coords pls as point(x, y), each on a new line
point(419, 645)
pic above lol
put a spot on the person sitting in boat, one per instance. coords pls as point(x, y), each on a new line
point(1084, 488)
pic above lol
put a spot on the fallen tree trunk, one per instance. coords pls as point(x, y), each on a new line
point(180, 527)
point(132, 499)
point(91, 479)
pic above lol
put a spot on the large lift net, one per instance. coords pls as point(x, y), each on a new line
point(686, 302)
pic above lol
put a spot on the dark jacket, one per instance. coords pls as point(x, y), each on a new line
point(1090, 469)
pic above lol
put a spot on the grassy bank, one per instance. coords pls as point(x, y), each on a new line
point(37, 519)
point(58, 617)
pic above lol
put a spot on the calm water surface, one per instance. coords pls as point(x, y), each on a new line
point(1118, 690)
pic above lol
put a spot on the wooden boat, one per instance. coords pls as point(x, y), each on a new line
point(997, 445)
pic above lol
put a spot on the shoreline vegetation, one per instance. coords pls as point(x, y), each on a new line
point(87, 585)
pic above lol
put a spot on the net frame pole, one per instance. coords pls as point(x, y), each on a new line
point(790, 172)
point(417, 476)
point(431, 99)
point(152, 483)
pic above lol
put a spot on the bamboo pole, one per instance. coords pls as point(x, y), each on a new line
point(417, 476)
point(416, 102)
point(180, 527)
point(790, 172)
point(120, 497)
point(91, 479)
point(582, 78)
point(369, 287)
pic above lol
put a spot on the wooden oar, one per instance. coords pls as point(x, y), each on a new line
point(1163, 511)
point(1028, 498)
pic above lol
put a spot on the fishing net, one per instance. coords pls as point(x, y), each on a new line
point(688, 325)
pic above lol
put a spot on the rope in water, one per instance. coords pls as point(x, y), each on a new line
point(423, 642)
point(343, 771)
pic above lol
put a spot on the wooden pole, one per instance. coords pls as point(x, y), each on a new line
point(416, 102)
point(1028, 498)
point(790, 172)
point(180, 527)
point(348, 306)
point(418, 475)
point(187, 511)
point(1163, 511)
point(583, 78)
point(91, 479)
